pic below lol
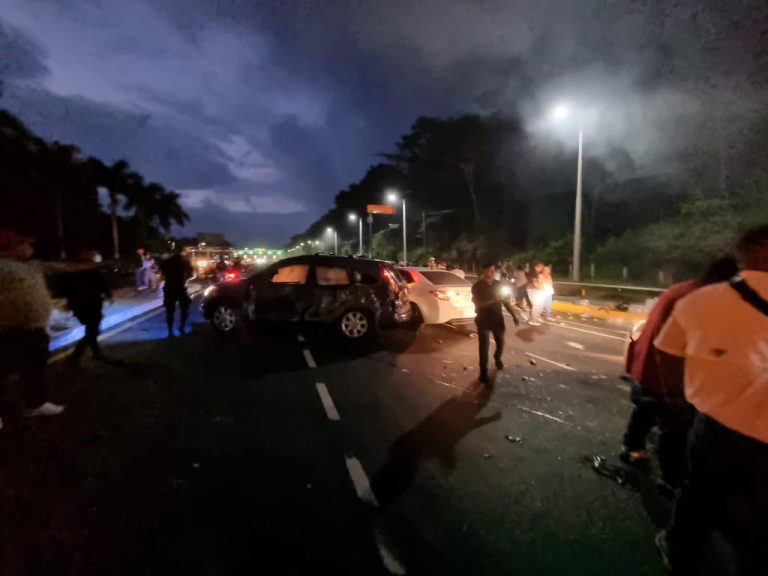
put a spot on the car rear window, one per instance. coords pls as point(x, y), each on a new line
point(331, 276)
point(407, 276)
point(439, 278)
point(291, 274)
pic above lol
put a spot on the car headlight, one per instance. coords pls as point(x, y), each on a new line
point(208, 291)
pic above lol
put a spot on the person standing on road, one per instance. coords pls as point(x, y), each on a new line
point(647, 393)
point(141, 283)
point(86, 291)
point(521, 283)
point(25, 308)
point(488, 299)
point(534, 293)
point(176, 270)
point(149, 267)
point(713, 351)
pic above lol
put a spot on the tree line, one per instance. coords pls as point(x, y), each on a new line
point(50, 190)
point(479, 187)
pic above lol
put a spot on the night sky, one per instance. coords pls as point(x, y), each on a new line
point(258, 112)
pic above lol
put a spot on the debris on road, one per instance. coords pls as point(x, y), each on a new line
point(405, 370)
point(447, 361)
point(466, 367)
point(599, 377)
point(528, 379)
point(563, 386)
point(472, 335)
point(439, 341)
point(532, 362)
point(487, 456)
point(513, 439)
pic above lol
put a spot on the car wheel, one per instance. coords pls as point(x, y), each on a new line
point(418, 318)
point(355, 324)
point(224, 318)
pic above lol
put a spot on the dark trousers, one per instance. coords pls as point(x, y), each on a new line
point(649, 411)
point(169, 301)
point(91, 320)
point(26, 351)
point(484, 341)
point(521, 295)
point(726, 490)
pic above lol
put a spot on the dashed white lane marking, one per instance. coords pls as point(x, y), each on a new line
point(108, 334)
point(391, 563)
point(574, 345)
point(309, 358)
point(564, 366)
point(587, 331)
point(360, 480)
point(300, 337)
point(325, 398)
point(544, 414)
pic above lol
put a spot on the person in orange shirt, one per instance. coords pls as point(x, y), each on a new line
point(713, 354)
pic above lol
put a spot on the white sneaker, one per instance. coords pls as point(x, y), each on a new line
point(47, 409)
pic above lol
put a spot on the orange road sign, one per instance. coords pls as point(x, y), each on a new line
point(381, 209)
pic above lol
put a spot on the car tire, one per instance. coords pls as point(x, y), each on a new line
point(356, 325)
point(224, 317)
point(417, 321)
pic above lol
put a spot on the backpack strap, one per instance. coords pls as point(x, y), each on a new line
point(748, 294)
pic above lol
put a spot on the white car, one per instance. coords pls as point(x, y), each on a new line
point(438, 296)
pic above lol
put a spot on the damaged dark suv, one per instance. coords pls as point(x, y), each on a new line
point(355, 295)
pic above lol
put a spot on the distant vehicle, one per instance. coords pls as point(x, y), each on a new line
point(355, 295)
point(204, 260)
point(438, 296)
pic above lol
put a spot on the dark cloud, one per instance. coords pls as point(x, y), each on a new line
point(21, 58)
point(278, 104)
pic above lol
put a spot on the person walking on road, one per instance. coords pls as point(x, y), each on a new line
point(86, 292)
point(141, 283)
point(535, 293)
point(647, 393)
point(547, 285)
point(713, 351)
point(25, 308)
point(488, 299)
point(149, 267)
point(176, 270)
point(521, 283)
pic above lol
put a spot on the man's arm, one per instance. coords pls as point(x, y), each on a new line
point(670, 354)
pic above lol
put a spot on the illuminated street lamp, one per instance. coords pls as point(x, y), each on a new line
point(335, 239)
point(392, 198)
point(352, 217)
point(559, 114)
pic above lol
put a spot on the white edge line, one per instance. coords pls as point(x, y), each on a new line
point(580, 324)
point(587, 331)
point(360, 480)
point(325, 398)
point(308, 357)
point(565, 366)
point(104, 335)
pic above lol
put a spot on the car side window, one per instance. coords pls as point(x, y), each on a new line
point(331, 276)
point(291, 274)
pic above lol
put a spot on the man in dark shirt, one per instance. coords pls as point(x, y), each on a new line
point(488, 296)
point(176, 271)
point(86, 291)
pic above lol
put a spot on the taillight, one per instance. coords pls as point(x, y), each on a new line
point(232, 275)
point(386, 275)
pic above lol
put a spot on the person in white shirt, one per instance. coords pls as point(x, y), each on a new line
point(714, 351)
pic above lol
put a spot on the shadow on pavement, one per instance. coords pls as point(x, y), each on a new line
point(434, 437)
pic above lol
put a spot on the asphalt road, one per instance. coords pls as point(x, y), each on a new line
point(279, 451)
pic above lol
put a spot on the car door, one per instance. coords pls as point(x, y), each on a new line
point(281, 290)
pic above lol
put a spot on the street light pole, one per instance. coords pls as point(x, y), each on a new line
point(576, 275)
point(405, 249)
point(335, 242)
point(360, 229)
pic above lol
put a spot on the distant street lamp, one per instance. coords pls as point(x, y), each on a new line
point(559, 114)
point(352, 217)
point(392, 198)
point(335, 239)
